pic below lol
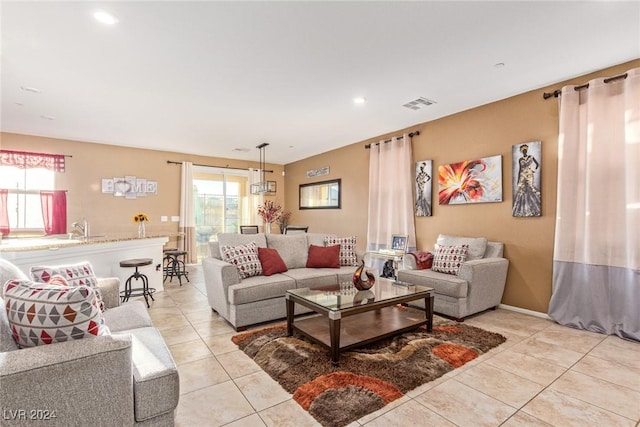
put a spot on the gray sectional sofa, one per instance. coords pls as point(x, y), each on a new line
point(478, 286)
point(127, 378)
point(257, 299)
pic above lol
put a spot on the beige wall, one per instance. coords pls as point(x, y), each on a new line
point(488, 130)
point(484, 131)
point(92, 162)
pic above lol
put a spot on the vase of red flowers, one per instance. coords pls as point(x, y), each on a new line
point(284, 220)
point(270, 212)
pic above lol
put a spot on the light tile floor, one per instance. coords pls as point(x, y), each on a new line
point(545, 374)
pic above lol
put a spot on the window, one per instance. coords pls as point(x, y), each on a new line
point(23, 200)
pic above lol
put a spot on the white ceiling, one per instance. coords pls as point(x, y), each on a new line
point(210, 77)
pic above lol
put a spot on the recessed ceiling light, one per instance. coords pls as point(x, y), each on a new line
point(359, 100)
point(30, 89)
point(105, 18)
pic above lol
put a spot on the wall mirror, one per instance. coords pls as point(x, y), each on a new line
point(320, 195)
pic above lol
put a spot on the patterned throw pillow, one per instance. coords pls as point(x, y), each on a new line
point(80, 274)
point(244, 257)
point(347, 249)
point(40, 313)
point(448, 259)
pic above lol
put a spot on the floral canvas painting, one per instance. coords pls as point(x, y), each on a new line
point(470, 181)
point(424, 171)
point(525, 163)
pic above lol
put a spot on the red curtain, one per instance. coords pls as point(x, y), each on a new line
point(26, 160)
point(54, 211)
point(4, 213)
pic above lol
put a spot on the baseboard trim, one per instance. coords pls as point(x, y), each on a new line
point(525, 311)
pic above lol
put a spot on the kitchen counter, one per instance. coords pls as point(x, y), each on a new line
point(103, 252)
point(17, 244)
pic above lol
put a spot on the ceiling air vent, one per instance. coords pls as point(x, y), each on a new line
point(419, 103)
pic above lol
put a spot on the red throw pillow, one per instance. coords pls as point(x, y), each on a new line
point(424, 260)
point(324, 256)
point(271, 261)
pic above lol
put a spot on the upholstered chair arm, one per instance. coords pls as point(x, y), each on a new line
point(59, 384)
point(218, 276)
point(486, 279)
point(110, 287)
point(409, 262)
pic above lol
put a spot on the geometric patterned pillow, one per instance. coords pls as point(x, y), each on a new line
point(80, 274)
point(448, 259)
point(244, 257)
point(347, 249)
point(40, 313)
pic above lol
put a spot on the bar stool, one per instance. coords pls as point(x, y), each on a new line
point(174, 266)
point(145, 290)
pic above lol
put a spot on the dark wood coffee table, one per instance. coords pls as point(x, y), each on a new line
point(350, 318)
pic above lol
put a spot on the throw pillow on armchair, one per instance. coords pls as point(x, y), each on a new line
point(424, 260)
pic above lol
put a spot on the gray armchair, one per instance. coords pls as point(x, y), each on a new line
point(478, 286)
point(127, 378)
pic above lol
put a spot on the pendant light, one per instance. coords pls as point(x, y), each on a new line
point(264, 186)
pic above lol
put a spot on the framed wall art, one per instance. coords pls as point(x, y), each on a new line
point(470, 181)
point(424, 172)
point(525, 164)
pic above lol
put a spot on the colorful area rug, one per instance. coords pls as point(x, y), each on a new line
point(368, 378)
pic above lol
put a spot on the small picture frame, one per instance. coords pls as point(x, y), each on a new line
point(399, 242)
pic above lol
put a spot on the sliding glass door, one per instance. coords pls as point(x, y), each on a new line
point(221, 203)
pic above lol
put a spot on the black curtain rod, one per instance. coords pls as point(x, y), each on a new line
point(411, 135)
point(221, 167)
point(556, 93)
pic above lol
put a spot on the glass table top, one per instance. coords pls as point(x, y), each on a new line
point(345, 295)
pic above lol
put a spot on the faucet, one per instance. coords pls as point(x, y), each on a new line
point(84, 227)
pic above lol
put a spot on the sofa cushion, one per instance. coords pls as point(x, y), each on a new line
point(244, 257)
point(293, 248)
point(314, 277)
point(130, 315)
point(235, 239)
point(41, 314)
point(75, 274)
point(448, 259)
point(324, 256)
point(477, 245)
point(318, 238)
point(442, 284)
point(347, 249)
point(259, 288)
point(271, 261)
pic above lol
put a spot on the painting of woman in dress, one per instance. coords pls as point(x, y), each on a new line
point(526, 179)
point(423, 188)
